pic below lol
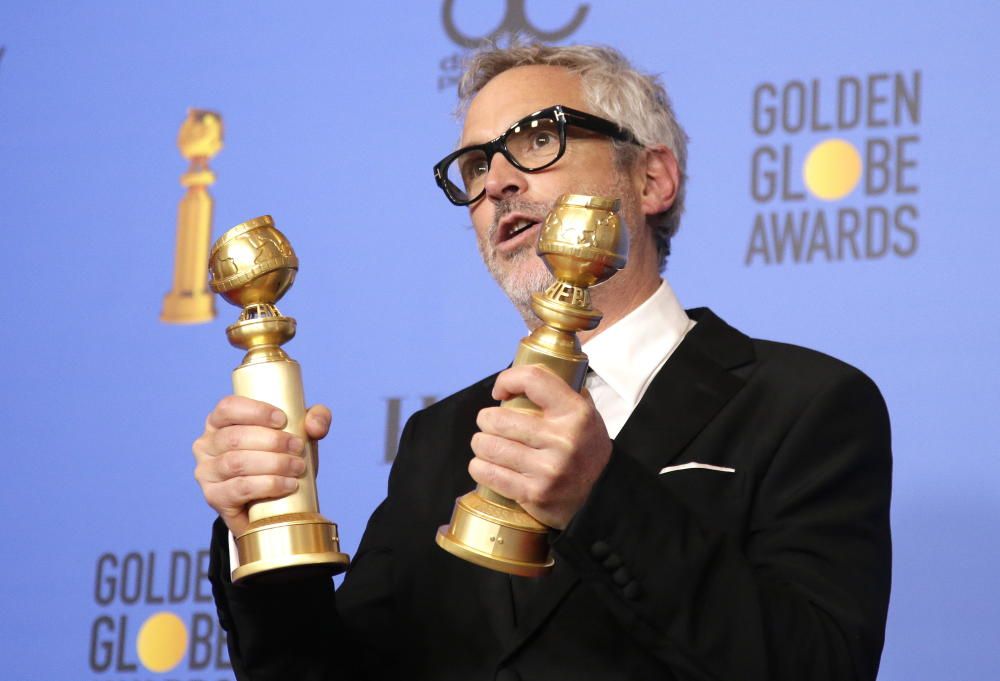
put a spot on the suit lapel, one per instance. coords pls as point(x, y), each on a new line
point(690, 389)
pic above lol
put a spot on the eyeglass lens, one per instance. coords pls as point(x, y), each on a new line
point(532, 144)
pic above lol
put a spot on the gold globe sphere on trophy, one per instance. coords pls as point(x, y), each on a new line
point(252, 266)
point(583, 243)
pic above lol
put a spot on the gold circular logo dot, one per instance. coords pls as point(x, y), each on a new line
point(162, 642)
point(832, 169)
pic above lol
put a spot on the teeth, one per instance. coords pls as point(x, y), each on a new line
point(520, 226)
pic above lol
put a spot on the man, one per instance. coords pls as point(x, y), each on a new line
point(720, 504)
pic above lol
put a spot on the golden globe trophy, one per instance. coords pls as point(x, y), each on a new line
point(189, 301)
point(252, 266)
point(583, 244)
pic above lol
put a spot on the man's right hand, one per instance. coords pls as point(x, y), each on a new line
point(244, 456)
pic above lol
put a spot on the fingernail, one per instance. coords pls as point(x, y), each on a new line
point(295, 445)
point(298, 466)
point(277, 418)
point(289, 483)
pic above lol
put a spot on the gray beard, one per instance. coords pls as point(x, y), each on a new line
point(520, 286)
point(522, 273)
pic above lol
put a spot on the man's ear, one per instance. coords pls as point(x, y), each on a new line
point(660, 181)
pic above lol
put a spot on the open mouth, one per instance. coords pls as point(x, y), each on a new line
point(513, 231)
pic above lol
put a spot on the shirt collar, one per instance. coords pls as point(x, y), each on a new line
point(627, 354)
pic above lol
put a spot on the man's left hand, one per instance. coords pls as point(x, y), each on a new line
point(547, 462)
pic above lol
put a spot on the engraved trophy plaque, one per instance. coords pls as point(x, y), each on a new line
point(583, 244)
point(252, 266)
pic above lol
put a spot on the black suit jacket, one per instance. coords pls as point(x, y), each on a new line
point(777, 571)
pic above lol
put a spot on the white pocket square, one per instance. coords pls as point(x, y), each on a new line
point(695, 464)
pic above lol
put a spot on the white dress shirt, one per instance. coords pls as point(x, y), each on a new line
point(627, 355)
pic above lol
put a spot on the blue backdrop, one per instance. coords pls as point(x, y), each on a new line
point(334, 114)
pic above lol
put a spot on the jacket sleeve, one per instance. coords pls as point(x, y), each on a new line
point(798, 589)
point(301, 629)
point(274, 631)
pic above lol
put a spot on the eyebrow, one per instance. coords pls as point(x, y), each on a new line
point(459, 144)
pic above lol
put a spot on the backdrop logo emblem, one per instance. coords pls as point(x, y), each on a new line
point(162, 642)
point(834, 171)
point(515, 21)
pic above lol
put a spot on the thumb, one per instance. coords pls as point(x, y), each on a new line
point(318, 422)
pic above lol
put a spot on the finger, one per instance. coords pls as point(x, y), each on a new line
point(238, 492)
point(236, 520)
point(499, 479)
point(249, 463)
point(232, 438)
point(237, 410)
point(318, 421)
point(538, 384)
point(508, 454)
point(528, 429)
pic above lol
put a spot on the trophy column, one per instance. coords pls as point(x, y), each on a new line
point(189, 300)
point(252, 266)
point(583, 244)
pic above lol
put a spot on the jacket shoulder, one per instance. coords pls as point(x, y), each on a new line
point(785, 367)
point(804, 370)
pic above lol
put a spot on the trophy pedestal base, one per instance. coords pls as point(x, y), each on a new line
point(498, 536)
point(188, 308)
point(305, 542)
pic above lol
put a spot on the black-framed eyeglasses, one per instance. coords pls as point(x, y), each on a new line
point(533, 143)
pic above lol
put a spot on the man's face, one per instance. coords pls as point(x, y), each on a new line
point(508, 217)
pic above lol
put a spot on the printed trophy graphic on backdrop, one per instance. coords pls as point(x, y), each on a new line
point(583, 244)
point(252, 266)
point(189, 300)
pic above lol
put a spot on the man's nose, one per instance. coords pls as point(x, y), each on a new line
point(503, 179)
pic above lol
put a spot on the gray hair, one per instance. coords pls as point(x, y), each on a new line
point(614, 89)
